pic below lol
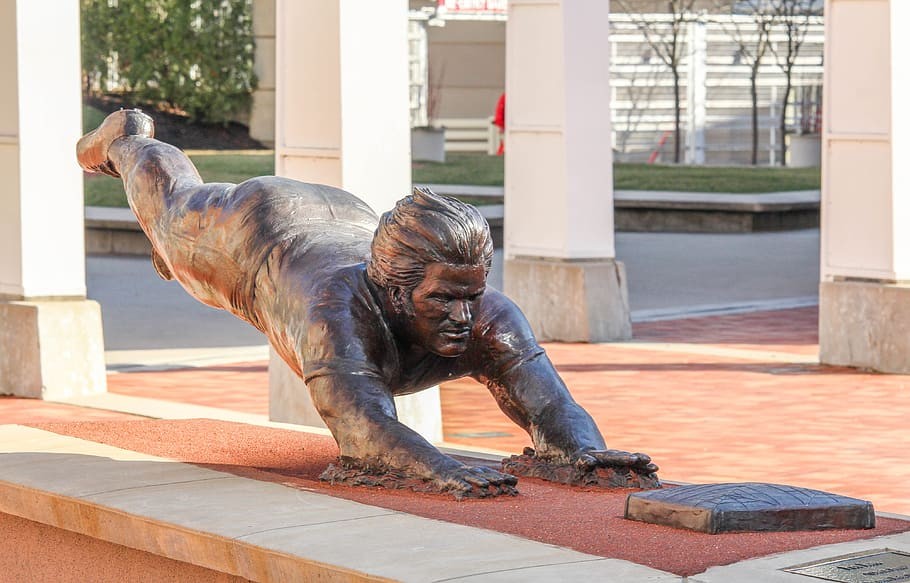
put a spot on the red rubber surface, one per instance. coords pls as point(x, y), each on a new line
point(588, 521)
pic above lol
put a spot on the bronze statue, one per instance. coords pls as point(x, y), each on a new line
point(362, 308)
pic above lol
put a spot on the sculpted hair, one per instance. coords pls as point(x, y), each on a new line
point(427, 228)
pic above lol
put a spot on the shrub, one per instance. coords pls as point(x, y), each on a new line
point(192, 55)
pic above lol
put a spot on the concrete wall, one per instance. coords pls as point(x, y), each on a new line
point(467, 67)
point(262, 113)
point(37, 552)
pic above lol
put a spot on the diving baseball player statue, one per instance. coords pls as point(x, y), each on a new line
point(363, 309)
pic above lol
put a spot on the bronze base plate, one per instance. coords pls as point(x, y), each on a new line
point(749, 507)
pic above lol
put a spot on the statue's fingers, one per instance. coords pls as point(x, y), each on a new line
point(615, 457)
point(496, 478)
point(476, 480)
point(586, 461)
point(643, 458)
point(651, 468)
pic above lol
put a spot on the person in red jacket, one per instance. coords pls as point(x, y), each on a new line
point(499, 120)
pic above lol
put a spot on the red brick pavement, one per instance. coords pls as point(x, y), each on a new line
point(713, 418)
point(239, 387)
point(705, 413)
point(14, 410)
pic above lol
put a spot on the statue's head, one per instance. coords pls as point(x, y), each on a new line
point(431, 254)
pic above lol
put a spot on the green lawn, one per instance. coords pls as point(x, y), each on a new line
point(460, 168)
point(486, 170)
point(480, 169)
point(735, 179)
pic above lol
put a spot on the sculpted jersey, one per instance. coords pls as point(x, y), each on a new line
point(289, 258)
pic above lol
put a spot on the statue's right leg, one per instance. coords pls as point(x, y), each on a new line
point(152, 171)
point(93, 149)
point(155, 175)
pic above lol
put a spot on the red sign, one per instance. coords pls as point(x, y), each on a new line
point(475, 6)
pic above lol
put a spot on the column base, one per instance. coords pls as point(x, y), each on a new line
point(289, 402)
point(865, 324)
point(52, 349)
point(571, 300)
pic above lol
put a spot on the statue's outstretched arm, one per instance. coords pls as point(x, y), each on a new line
point(530, 391)
point(360, 412)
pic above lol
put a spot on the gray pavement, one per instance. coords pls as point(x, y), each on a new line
point(670, 275)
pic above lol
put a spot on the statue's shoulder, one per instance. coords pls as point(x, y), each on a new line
point(346, 330)
point(344, 300)
point(500, 314)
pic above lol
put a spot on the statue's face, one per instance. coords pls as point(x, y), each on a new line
point(444, 305)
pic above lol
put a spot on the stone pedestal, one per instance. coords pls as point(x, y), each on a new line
point(865, 324)
point(51, 349)
point(289, 402)
point(571, 300)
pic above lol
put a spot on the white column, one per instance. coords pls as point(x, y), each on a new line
point(864, 312)
point(342, 96)
point(697, 92)
point(342, 118)
point(51, 343)
point(560, 261)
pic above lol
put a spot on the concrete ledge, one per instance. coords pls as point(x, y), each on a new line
point(114, 231)
point(261, 531)
point(689, 212)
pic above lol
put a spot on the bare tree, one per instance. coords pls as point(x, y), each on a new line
point(794, 16)
point(642, 81)
point(752, 37)
point(666, 40)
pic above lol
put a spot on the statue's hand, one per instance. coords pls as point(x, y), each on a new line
point(602, 468)
point(474, 482)
point(615, 458)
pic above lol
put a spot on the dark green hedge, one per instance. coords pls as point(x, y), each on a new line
point(192, 55)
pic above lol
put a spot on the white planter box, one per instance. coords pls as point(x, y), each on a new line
point(804, 150)
point(428, 144)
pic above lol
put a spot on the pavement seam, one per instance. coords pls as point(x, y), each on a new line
point(525, 568)
point(156, 485)
point(323, 523)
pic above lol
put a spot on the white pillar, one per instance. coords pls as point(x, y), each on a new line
point(342, 118)
point(697, 92)
point(560, 262)
point(864, 311)
point(51, 343)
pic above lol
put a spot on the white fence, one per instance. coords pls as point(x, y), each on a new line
point(715, 96)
